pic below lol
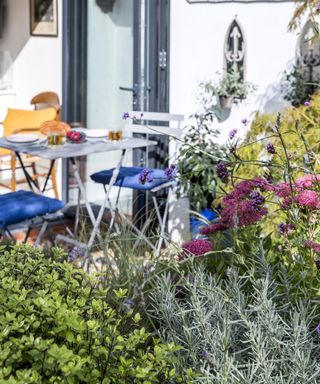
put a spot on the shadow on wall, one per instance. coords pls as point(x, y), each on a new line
point(272, 100)
point(121, 14)
point(15, 34)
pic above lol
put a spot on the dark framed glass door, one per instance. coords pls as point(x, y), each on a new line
point(114, 60)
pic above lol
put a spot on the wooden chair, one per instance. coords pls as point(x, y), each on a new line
point(45, 100)
point(24, 121)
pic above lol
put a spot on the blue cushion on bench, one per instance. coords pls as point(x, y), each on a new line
point(16, 207)
point(129, 178)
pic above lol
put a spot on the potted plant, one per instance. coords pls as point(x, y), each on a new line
point(233, 89)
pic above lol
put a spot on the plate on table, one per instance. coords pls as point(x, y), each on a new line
point(22, 139)
point(97, 133)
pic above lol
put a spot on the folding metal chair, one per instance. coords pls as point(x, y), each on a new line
point(128, 177)
point(29, 209)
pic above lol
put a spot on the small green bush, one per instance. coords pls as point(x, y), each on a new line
point(56, 326)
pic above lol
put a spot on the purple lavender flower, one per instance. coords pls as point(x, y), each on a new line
point(318, 264)
point(125, 115)
point(306, 103)
point(257, 198)
point(145, 176)
point(232, 133)
point(270, 148)
point(204, 354)
point(75, 253)
point(128, 304)
point(171, 172)
point(245, 121)
point(222, 172)
point(318, 329)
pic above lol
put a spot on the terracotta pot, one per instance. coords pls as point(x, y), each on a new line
point(226, 102)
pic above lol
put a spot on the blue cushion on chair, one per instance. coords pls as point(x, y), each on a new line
point(16, 207)
point(129, 178)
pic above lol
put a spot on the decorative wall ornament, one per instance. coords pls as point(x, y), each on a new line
point(308, 43)
point(234, 49)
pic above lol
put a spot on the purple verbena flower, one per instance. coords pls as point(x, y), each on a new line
point(222, 172)
point(244, 121)
point(270, 148)
point(318, 264)
point(145, 176)
point(318, 329)
point(306, 103)
point(257, 197)
point(282, 228)
point(318, 7)
point(171, 172)
point(232, 133)
point(125, 115)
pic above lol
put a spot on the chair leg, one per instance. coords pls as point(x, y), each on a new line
point(54, 183)
point(34, 171)
point(13, 172)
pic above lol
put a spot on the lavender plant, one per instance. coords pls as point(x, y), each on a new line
point(232, 334)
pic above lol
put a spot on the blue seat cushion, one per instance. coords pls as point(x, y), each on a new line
point(22, 205)
point(129, 178)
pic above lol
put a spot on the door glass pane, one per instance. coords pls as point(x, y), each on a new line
point(110, 65)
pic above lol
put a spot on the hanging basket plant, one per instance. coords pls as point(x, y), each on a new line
point(226, 102)
point(232, 88)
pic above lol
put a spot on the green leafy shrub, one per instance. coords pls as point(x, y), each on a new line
point(198, 155)
point(56, 326)
point(299, 129)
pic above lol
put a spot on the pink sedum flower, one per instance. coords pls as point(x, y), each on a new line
point(212, 228)
point(307, 181)
point(242, 213)
point(283, 190)
point(196, 247)
point(308, 199)
point(313, 245)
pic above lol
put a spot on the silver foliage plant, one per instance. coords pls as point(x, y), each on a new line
point(235, 335)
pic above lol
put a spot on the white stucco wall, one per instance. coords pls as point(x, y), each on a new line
point(37, 61)
point(197, 41)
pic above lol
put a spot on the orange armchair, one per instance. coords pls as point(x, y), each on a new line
point(18, 121)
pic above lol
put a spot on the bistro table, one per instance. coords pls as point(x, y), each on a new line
point(71, 151)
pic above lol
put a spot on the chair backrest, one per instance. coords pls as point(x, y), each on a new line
point(20, 119)
point(46, 100)
point(173, 129)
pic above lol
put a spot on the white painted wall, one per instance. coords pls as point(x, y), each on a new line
point(37, 61)
point(197, 40)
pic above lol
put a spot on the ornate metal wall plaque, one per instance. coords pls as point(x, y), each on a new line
point(234, 49)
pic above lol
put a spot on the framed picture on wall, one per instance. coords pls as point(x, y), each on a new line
point(44, 18)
